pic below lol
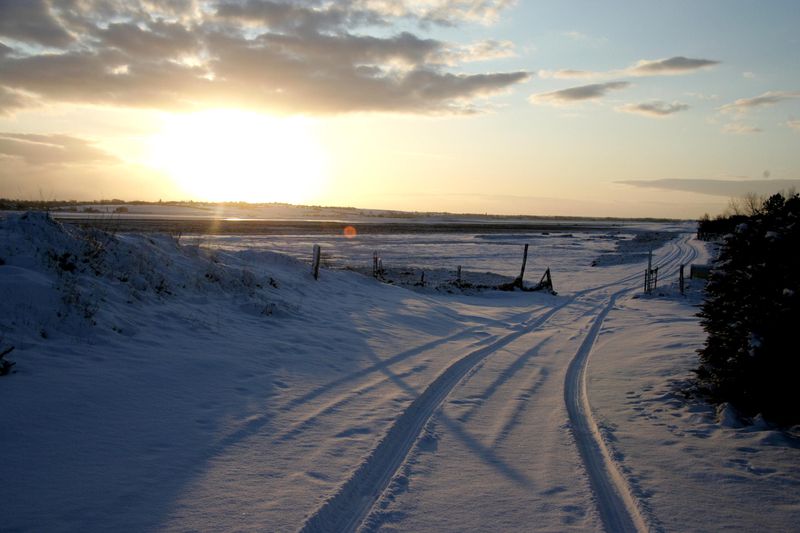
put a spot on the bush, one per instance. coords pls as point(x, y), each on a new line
point(752, 306)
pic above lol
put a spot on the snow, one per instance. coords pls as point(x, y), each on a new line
point(211, 384)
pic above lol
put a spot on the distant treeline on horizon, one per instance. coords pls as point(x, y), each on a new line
point(8, 204)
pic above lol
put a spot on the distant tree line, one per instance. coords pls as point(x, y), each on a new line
point(22, 205)
point(751, 356)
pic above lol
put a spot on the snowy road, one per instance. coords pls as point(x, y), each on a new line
point(222, 389)
point(382, 477)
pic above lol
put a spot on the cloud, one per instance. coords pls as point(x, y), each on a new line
point(452, 12)
point(479, 51)
point(35, 166)
point(740, 129)
point(567, 74)
point(718, 187)
point(703, 96)
point(673, 65)
point(292, 17)
point(768, 98)
point(646, 67)
point(157, 39)
point(580, 37)
point(10, 101)
point(295, 57)
point(577, 94)
point(576, 35)
point(38, 150)
point(32, 21)
point(656, 109)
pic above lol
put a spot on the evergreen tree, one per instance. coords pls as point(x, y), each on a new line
point(752, 354)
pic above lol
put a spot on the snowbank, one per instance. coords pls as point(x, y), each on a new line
point(215, 385)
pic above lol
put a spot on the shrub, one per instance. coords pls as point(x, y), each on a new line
point(750, 357)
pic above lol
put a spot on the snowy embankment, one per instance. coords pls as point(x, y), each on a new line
point(168, 387)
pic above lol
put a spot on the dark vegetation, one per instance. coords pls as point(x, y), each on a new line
point(751, 357)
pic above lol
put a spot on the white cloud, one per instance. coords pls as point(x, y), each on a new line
point(718, 187)
point(301, 56)
point(740, 129)
point(577, 94)
point(478, 51)
point(567, 74)
point(672, 66)
point(767, 99)
point(656, 109)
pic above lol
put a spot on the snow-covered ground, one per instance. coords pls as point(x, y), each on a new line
point(213, 385)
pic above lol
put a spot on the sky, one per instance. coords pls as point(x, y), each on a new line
point(613, 108)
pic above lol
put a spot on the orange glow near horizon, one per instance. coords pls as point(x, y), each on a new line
point(231, 155)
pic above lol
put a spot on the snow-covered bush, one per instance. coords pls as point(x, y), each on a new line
point(61, 278)
point(752, 354)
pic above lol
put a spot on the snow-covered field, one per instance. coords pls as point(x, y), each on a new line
point(213, 385)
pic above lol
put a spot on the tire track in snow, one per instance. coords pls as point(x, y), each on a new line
point(347, 509)
point(350, 505)
point(617, 508)
point(616, 504)
point(389, 362)
point(338, 402)
point(308, 421)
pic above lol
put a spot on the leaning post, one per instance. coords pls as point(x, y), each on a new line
point(315, 261)
point(518, 281)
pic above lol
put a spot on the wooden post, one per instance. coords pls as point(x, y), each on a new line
point(648, 274)
point(681, 280)
point(546, 282)
point(524, 260)
point(375, 264)
point(422, 279)
point(458, 274)
point(315, 261)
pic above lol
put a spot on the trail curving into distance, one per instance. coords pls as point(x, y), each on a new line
point(618, 509)
point(347, 509)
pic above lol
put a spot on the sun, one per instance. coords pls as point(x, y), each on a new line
point(232, 155)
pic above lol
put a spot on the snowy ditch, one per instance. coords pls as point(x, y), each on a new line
point(213, 385)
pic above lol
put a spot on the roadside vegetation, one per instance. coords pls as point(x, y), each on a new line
point(751, 357)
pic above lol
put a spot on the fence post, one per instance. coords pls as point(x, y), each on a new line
point(458, 274)
point(315, 261)
point(681, 279)
point(524, 260)
point(375, 264)
point(650, 275)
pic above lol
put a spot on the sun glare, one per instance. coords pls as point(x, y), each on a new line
point(230, 155)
